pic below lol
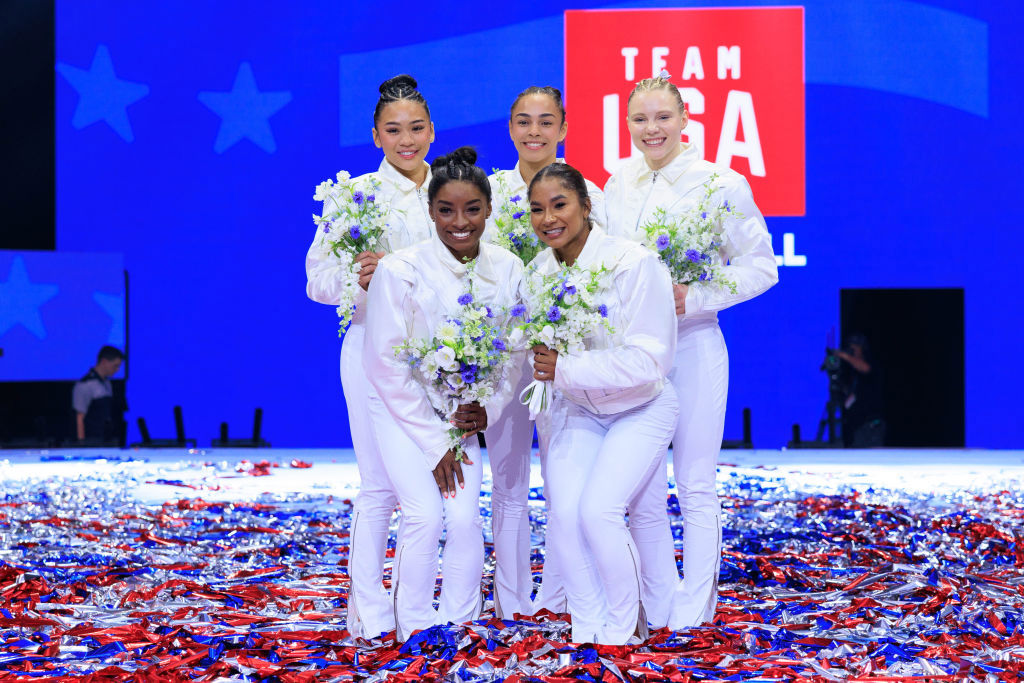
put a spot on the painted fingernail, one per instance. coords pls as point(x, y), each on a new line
point(461, 485)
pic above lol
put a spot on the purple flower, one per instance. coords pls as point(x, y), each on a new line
point(703, 214)
point(727, 207)
point(370, 198)
point(469, 374)
point(661, 242)
point(516, 242)
point(357, 197)
point(466, 299)
point(499, 344)
point(569, 289)
point(515, 199)
point(490, 313)
point(704, 277)
point(327, 228)
point(603, 310)
point(517, 311)
point(554, 314)
point(354, 232)
point(693, 255)
point(518, 214)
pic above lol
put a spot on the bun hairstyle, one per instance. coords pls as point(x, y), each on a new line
point(401, 87)
point(659, 82)
point(552, 92)
point(569, 178)
point(458, 165)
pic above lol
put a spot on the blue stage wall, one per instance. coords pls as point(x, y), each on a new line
point(913, 149)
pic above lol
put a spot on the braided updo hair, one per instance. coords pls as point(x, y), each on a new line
point(657, 83)
point(401, 87)
point(459, 165)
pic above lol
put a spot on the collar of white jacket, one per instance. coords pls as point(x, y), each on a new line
point(393, 176)
point(484, 270)
point(591, 256)
point(691, 153)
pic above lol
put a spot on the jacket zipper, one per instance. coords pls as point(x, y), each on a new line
point(419, 200)
point(643, 206)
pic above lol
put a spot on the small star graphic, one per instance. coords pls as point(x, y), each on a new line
point(102, 96)
point(20, 301)
point(244, 111)
point(112, 305)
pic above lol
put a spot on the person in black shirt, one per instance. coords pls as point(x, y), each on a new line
point(861, 378)
point(98, 415)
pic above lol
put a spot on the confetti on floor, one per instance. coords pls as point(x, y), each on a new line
point(183, 569)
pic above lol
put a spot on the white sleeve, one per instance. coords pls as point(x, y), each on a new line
point(403, 396)
point(648, 341)
point(608, 201)
point(325, 272)
point(506, 392)
point(748, 248)
point(597, 206)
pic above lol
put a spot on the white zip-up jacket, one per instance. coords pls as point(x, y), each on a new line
point(626, 368)
point(517, 187)
point(634, 192)
point(412, 291)
point(408, 223)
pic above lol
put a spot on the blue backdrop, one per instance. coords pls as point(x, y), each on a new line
point(190, 136)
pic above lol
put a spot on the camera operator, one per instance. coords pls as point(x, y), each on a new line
point(861, 386)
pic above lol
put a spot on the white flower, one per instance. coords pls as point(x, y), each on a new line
point(445, 358)
point(343, 176)
point(447, 331)
point(547, 335)
point(323, 191)
point(515, 338)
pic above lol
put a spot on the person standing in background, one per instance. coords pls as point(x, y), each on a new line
point(537, 126)
point(403, 130)
point(672, 175)
point(99, 416)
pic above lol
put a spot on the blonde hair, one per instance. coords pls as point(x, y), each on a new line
point(657, 83)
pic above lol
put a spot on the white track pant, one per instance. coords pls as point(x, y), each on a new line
point(701, 378)
point(370, 612)
point(551, 594)
point(424, 515)
point(509, 442)
point(597, 466)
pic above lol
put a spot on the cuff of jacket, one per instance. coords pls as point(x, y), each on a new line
point(694, 299)
point(433, 454)
point(564, 368)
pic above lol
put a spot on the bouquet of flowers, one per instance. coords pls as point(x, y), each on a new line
point(353, 222)
point(688, 243)
point(515, 232)
point(466, 361)
point(566, 311)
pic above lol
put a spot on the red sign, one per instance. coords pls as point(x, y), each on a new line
point(739, 70)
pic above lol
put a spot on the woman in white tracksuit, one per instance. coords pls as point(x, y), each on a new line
point(671, 175)
point(402, 128)
point(411, 293)
point(612, 415)
point(537, 126)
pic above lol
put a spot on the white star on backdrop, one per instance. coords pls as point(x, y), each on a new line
point(20, 300)
point(102, 96)
point(112, 305)
point(244, 111)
